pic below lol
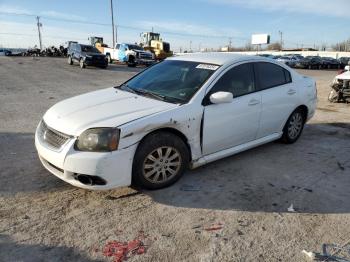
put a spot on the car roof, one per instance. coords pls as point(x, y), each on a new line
point(217, 58)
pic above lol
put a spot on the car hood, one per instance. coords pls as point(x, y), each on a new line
point(92, 54)
point(104, 108)
point(141, 51)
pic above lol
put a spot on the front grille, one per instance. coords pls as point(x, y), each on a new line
point(145, 56)
point(51, 137)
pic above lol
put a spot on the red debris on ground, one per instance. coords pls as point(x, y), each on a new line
point(121, 251)
point(214, 227)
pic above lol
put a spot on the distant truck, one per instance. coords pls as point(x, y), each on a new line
point(131, 54)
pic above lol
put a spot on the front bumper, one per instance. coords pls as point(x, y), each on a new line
point(113, 167)
point(96, 62)
point(141, 61)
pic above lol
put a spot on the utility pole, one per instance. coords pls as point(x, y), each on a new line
point(39, 25)
point(281, 39)
point(229, 44)
point(112, 24)
point(116, 34)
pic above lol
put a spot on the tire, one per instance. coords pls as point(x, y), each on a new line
point(294, 126)
point(110, 61)
point(151, 165)
point(70, 60)
point(81, 63)
point(131, 62)
point(333, 96)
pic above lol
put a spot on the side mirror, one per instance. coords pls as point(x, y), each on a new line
point(221, 97)
point(347, 68)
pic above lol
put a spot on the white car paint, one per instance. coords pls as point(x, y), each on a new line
point(259, 118)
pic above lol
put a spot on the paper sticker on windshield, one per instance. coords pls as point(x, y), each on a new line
point(208, 67)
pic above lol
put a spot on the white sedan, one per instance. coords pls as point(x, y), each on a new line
point(181, 113)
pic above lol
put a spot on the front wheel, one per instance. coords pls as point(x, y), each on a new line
point(294, 127)
point(81, 63)
point(160, 160)
point(131, 62)
point(70, 60)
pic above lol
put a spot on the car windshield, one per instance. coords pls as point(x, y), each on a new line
point(172, 81)
point(89, 49)
point(135, 47)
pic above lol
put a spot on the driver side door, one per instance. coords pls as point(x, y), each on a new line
point(231, 124)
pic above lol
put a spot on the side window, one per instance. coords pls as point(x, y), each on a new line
point(118, 46)
point(271, 75)
point(239, 81)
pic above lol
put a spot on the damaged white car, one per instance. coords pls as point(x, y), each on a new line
point(183, 112)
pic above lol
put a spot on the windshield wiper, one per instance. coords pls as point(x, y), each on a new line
point(149, 93)
point(125, 87)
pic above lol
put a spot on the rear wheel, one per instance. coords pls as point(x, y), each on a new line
point(109, 59)
point(294, 126)
point(160, 161)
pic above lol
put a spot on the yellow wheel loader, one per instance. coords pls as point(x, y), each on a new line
point(152, 42)
point(98, 43)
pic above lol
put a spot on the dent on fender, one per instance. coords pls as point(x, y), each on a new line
point(189, 127)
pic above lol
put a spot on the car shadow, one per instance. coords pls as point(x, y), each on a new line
point(12, 251)
point(313, 175)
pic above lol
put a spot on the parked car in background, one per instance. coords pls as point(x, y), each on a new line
point(266, 55)
point(344, 61)
point(185, 111)
point(288, 60)
point(329, 63)
point(310, 62)
point(131, 54)
point(276, 57)
point(86, 55)
point(5, 52)
point(340, 91)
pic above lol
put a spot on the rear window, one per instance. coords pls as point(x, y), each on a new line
point(271, 75)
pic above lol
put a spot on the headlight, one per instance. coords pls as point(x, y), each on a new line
point(98, 140)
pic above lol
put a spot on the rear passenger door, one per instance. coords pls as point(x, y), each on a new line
point(279, 97)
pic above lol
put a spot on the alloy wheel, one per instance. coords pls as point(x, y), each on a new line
point(162, 164)
point(295, 125)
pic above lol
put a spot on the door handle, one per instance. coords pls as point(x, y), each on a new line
point(253, 102)
point(291, 92)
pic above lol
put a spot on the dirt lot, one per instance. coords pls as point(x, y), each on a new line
point(247, 195)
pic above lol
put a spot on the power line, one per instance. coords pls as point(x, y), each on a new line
point(127, 27)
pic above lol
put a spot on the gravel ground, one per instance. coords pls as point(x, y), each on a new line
point(234, 209)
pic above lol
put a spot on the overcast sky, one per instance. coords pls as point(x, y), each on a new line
point(199, 23)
